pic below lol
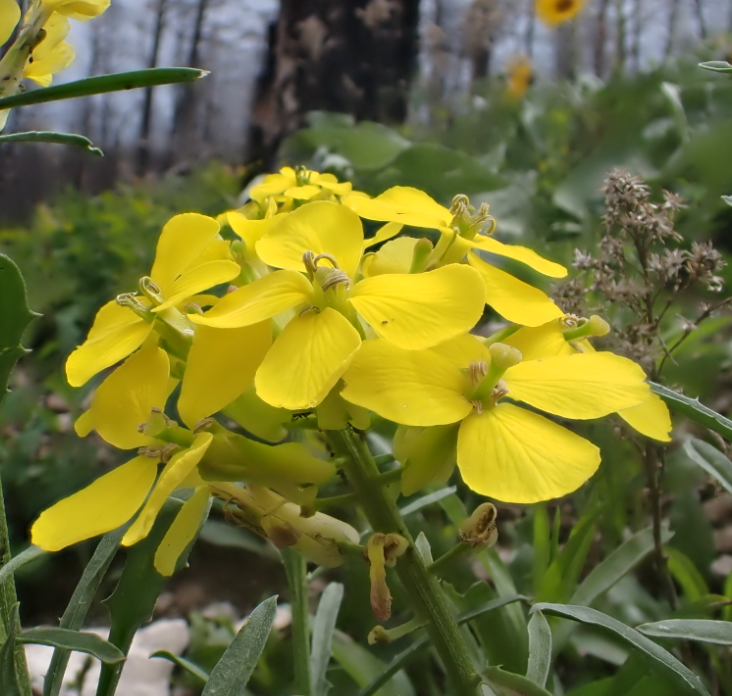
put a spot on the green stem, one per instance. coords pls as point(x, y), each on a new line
point(8, 600)
point(457, 551)
point(295, 567)
point(429, 602)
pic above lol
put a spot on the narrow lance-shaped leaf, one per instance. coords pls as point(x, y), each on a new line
point(540, 649)
point(717, 66)
point(101, 84)
point(505, 683)
point(78, 641)
point(711, 460)
point(695, 410)
point(79, 605)
point(323, 627)
point(187, 665)
point(8, 679)
point(30, 554)
point(662, 660)
point(702, 630)
point(50, 137)
point(232, 672)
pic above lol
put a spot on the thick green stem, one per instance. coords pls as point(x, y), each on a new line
point(428, 599)
point(8, 600)
point(297, 579)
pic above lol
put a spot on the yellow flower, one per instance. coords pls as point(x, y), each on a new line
point(318, 248)
point(555, 12)
point(190, 258)
point(570, 335)
point(298, 184)
point(503, 451)
point(520, 73)
point(460, 234)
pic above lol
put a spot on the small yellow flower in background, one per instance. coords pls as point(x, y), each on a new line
point(298, 184)
point(461, 233)
point(519, 74)
point(191, 257)
point(503, 451)
point(570, 335)
point(318, 248)
point(554, 12)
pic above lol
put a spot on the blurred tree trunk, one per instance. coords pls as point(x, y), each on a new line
point(601, 38)
point(673, 20)
point(700, 18)
point(620, 36)
point(143, 139)
point(482, 22)
point(530, 29)
point(354, 57)
point(184, 140)
point(565, 48)
point(637, 33)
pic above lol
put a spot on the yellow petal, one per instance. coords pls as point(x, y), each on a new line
point(411, 387)
point(251, 231)
point(9, 17)
point(513, 299)
point(322, 227)
point(421, 310)
point(181, 532)
point(57, 29)
point(198, 279)
point(175, 472)
point(124, 400)
point(117, 332)
point(540, 342)
point(181, 242)
point(583, 385)
point(260, 300)
point(519, 253)
point(307, 359)
point(650, 418)
point(402, 204)
point(387, 231)
point(393, 257)
point(463, 350)
point(302, 193)
point(104, 505)
point(517, 456)
point(81, 10)
point(273, 184)
point(220, 367)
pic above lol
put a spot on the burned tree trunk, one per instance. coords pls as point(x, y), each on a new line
point(353, 57)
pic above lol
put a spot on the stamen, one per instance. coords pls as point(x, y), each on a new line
point(476, 371)
point(334, 278)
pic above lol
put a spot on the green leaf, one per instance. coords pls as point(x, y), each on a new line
point(232, 672)
point(184, 664)
point(323, 627)
point(8, 679)
point(542, 545)
point(361, 665)
point(14, 318)
point(540, 649)
point(30, 554)
point(509, 684)
point(702, 630)
point(692, 408)
point(78, 606)
point(116, 82)
point(387, 672)
point(686, 574)
point(711, 460)
point(77, 641)
point(133, 600)
point(662, 660)
point(717, 66)
point(620, 562)
point(727, 200)
point(426, 501)
point(49, 137)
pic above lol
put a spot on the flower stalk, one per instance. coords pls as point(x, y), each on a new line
point(429, 602)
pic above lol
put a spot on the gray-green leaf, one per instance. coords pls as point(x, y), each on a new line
point(50, 137)
point(711, 460)
point(540, 649)
point(692, 408)
point(509, 684)
point(323, 627)
point(78, 641)
point(232, 672)
point(702, 630)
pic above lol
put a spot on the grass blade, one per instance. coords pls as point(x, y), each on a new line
point(701, 630)
point(101, 84)
point(232, 672)
point(187, 665)
point(323, 628)
point(50, 137)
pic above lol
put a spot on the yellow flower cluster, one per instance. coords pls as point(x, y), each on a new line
point(39, 51)
point(301, 315)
